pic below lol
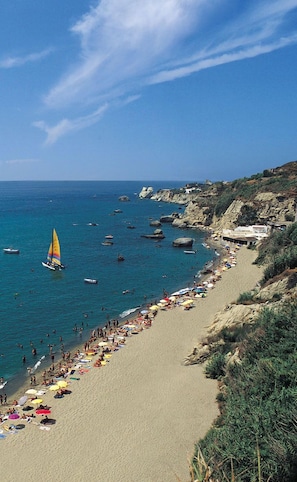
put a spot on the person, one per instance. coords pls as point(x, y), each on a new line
point(24, 359)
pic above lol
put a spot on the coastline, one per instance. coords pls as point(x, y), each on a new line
point(18, 384)
point(138, 417)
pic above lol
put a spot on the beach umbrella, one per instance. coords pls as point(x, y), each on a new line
point(62, 383)
point(36, 401)
point(144, 312)
point(31, 391)
point(53, 388)
point(172, 298)
point(102, 343)
point(13, 416)
point(42, 411)
point(184, 291)
point(154, 308)
point(22, 400)
point(187, 302)
point(20, 426)
point(49, 421)
point(27, 408)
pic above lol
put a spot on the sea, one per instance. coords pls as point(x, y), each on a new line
point(42, 309)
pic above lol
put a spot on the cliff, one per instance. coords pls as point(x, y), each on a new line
point(268, 197)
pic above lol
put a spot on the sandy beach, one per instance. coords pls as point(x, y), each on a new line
point(137, 418)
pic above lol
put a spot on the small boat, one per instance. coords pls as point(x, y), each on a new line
point(11, 251)
point(109, 236)
point(91, 281)
point(92, 224)
point(54, 254)
point(117, 211)
point(190, 251)
point(107, 243)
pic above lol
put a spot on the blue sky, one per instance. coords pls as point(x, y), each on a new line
point(146, 89)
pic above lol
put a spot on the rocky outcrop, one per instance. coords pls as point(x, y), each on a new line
point(124, 198)
point(146, 193)
point(157, 234)
point(267, 198)
point(183, 242)
point(155, 223)
point(167, 219)
point(237, 315)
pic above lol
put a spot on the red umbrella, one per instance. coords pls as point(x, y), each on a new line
point(42, 411)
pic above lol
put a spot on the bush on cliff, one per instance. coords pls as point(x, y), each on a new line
point(255, 437)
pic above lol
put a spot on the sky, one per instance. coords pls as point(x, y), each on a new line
point(183, 90)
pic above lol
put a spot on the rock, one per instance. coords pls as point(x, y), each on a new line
point(157, 234)
point(183, 242)
point(146, 193)
point(124, 198)
point(180, 223)
point(167, 219)
point(155, 223)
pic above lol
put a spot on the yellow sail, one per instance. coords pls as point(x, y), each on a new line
point(54, 252)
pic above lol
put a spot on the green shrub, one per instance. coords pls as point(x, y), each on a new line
point(255, 436)
point(215, 367)
point(245, 297)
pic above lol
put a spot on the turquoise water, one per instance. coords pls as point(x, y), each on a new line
point(36, 302)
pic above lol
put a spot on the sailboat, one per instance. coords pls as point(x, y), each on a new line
point(54, 254)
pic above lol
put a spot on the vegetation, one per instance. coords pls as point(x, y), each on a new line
point(215, 367)
point(224, 202)
point(279, 251)
point(245, 298)
point(248, 216)
point(255, 437)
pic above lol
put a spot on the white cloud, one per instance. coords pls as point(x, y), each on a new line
point(11, 62)
point(128, 44)
point(66, 126)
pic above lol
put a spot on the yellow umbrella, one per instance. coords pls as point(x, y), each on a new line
point(53, 388)
point(154, 307)
point(187, 302)
point(36, 401)
point(62, 383)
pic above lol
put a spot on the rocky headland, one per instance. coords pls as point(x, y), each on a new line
point(264, 198)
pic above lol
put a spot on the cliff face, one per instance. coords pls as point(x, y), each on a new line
point(236, 315)
point(264, 198)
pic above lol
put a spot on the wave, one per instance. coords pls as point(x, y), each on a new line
point(128, 312)
point(37, 364)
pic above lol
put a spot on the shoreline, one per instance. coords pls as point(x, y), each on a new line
point(138, 417)
point(20, 381)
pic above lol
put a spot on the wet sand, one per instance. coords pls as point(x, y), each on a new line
point(137, 418)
